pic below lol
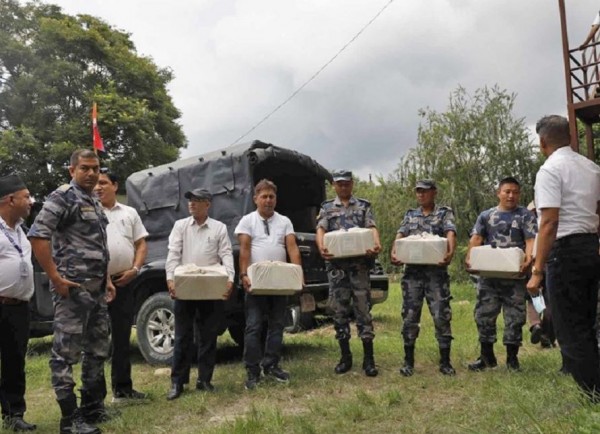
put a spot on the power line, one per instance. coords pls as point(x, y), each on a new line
point(315, 75)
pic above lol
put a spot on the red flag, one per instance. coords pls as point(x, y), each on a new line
point(98, 145)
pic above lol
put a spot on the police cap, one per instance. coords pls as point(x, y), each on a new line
point(426, 184)
point(341, 175)
point(198, 194)
point(11, 183)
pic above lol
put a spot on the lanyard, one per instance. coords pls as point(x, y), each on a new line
point(11, 239)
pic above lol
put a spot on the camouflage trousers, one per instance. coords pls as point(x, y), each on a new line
point(81, 331)
point(494, 295)
point(431, 283)
point(350, 291)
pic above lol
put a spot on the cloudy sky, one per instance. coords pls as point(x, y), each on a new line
point(236, 60)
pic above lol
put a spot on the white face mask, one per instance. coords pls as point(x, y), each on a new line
point(538, 303)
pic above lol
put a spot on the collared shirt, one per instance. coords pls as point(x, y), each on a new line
point(73, 219)
point(437, 222)
point(12, 284)
point(124, 228)
point(267, 245)
point(500, 228)
point(570, 182)
point(205, 244)
point(334, 215)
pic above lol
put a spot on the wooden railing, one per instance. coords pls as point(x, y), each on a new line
point(585, 71)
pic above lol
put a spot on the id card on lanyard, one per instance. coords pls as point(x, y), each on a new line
point(17, 245)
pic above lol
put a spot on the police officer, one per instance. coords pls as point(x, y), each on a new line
point(16, 288)
point(68, 239)
point(429, 281)
point(505, 225)
point(349, 283)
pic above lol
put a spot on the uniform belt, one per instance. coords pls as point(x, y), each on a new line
point(574, 239)
point(11, 301)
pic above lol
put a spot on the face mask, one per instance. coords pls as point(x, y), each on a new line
point(538, 303)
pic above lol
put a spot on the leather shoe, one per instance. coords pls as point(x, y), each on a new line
point(205, 386)
point(17, 424)
point(175, 391)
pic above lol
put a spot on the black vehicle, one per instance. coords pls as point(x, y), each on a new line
point(230, 175)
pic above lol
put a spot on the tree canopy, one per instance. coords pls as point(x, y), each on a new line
point(52, 67)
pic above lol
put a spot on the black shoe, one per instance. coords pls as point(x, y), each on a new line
point(536, 334)
point(447, 369)
point(277, 373)
point(545, 342)
point(204, 386)
point(512, 363)
point(407, 370)
point(75, 424)
point(130, 396)
point(175, 391)
point(252, 381)
point(482, 364)
point(344, 365)
point(17, 424)
point(99, 415)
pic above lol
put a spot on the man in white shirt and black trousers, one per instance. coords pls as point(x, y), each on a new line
point(567, 197)
point(202, 241)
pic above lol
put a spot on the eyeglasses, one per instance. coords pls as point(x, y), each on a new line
point(266, 223)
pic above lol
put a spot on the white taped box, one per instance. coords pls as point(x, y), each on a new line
point(275, 278)
point(200, 283)
point(502, 263)
point(347, 243)
point(425, 248)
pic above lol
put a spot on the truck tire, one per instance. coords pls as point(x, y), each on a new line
point(297, 321)
point(155, 327)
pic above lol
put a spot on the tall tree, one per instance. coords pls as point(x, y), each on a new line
point(52, 67)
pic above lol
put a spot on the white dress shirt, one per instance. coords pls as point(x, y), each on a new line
point(266, 246)
point(570, 182)
point(12, 283)
point(124, 228)
point(205, 244)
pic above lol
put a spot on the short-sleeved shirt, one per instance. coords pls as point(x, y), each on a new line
point(438, 222)
point(503, 229)
point(76, 224)
point(12, 283)
point(570, 182)
point(124, 228)
point(267, 244)
point(334, 215)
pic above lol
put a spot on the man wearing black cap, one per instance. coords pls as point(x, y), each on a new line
point(427, 281)
point(202, 241)
point(349, 284)
point(16, 288)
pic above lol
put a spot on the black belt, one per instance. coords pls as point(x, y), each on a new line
point(11, 301)
point(574, 239)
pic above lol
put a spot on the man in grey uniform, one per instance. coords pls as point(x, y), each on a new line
point(68, 239)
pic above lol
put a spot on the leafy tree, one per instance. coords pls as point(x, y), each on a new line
point(52, 67)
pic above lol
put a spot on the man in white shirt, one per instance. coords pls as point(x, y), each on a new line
point(264, 235)
point(127, 247)
point(202, 241)
point(567, 197)
point(16, 288)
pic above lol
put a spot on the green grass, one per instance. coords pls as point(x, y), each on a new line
point(537, 400)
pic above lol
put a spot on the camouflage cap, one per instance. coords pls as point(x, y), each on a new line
point(341, 175)
point(426, 184)
point(198, 193)
point(11, 183)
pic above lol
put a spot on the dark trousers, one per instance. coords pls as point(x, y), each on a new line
point(206, 315)
point(14, 334)
point(573, 270)
point(121, 317)
point(259, 307)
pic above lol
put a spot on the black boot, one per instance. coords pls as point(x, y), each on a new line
point(445, 366)
point(487, 359)
point(512, 361)
point(409, 361)
point(345, 363)
point(93, 410)
point(369, 359)
point(72, 421)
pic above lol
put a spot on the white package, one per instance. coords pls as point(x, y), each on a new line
point(275, 278)
point(200, 283)
point(425, 248)
point(497, 262)
point(347, 243)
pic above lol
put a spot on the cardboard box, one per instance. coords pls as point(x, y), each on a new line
point(347, 243)
point(421, 249)
point(200, 283)
point(275, 278)
point(502, 263)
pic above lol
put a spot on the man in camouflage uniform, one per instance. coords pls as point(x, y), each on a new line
point(427, 281)
point(506, 225)
point(69, 241)
point(349, 284)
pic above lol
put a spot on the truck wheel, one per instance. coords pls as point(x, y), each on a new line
point(297, 321)
point(156, 329)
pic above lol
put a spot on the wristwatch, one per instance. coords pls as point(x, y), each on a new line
point(536, 272)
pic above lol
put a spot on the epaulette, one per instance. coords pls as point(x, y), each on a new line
point(364, 200)
point(63, 188)
point(327, 201)
point(445, 208)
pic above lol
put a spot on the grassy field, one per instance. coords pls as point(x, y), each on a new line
point(537, 400)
